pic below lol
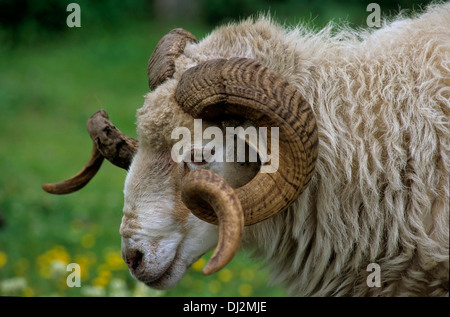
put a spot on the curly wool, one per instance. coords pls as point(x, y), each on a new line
point(380, 193)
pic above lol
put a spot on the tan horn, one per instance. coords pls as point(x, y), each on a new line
point(207, 189)
point(161, 64)
point(109, 143)
point(245, 88)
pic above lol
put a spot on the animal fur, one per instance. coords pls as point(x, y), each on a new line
point(380, 193)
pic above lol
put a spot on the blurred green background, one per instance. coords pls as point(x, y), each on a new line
point(52, 78)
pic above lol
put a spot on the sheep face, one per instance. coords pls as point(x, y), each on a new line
point(161, 238)
point(159, 242)
point(176, 211)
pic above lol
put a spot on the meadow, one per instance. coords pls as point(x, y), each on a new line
point(47, 92)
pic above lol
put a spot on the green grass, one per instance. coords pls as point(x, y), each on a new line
point(47, 92)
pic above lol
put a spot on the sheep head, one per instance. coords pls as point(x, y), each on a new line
point(174, 212)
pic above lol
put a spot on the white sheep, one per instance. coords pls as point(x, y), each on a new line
point(364, 171)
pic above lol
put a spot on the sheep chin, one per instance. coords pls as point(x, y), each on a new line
point(170, 277)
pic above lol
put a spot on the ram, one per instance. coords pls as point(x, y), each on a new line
point(363, 161)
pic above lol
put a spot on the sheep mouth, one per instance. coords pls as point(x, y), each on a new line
point(170, 276)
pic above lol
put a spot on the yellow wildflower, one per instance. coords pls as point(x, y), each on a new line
point(103, 279)
point(84, 262)
point(245, 289)
point(53, 262)
point(3, 258)
point(28, 292)
point(198, 265)
point(114, 261)
point(225, 275)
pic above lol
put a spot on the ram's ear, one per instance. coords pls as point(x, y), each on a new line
point(162, 62)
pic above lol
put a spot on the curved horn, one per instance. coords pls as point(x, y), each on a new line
point(204, 188)
point(109, 143)
point(244, 87)
point(161, 64)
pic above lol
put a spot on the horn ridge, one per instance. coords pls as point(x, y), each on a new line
point(161, 64)
point(244, 87)
point(113, 144)
point(203, 186)
point(108, 142)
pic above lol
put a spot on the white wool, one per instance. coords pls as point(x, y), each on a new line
point(380, 192)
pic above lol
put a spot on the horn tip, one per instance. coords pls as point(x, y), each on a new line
point(46, 187)
point(216, 263)
point(50, 188)
point(209, 269)
point(64, 187)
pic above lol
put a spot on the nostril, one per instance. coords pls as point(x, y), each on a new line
point(134, 260)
